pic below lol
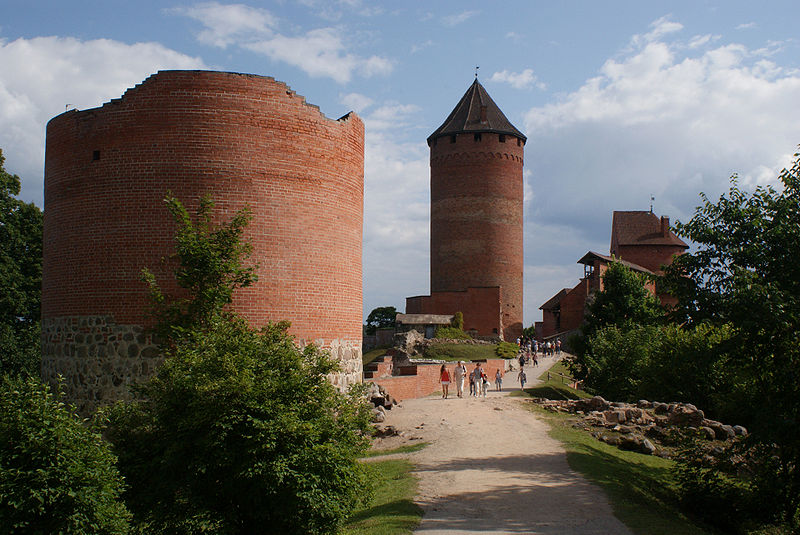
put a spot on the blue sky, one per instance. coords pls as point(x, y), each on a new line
point(619, 100)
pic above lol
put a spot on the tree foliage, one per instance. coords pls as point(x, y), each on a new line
point(20, 278)
point(211, 267)
point(240, 431)
point(57, 474)
point(380, 318)
point(746, 274)
point(624, 303)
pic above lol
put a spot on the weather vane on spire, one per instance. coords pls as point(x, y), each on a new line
point(652, 198)
point(476, 71)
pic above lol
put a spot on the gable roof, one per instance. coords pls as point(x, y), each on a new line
point(591, 255)
point(423, 319)
point(554, 301)
point(476, 112)
point(642, 228)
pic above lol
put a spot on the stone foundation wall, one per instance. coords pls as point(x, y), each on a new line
point(98, 358)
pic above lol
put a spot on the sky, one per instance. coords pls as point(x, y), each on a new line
point(620, 100)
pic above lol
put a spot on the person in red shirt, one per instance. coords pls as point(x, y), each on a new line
point(444, 377)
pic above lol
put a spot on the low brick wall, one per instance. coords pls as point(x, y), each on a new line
point(426, 380)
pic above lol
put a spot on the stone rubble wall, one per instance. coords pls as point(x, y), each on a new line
point(98, 359)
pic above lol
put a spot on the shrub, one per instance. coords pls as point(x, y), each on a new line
point(506, 350)
point(458, 321)
point(57, 475)
point(239, 430)
point(452, 333)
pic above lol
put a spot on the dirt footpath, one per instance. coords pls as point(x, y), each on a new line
point(491, 468)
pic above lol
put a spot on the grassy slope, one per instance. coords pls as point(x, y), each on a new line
point(640, 487)
point(392, 510)
point(466, 352)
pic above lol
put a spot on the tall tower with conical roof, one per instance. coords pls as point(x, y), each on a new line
point(476, 217)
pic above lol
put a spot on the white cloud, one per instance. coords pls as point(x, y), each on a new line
point(660, 28)
point(517, 80)
point(41, 76)
point(747, 26)
point(419, 47)
point(228, 24)
point(396, 218)
point(320, 52)
point(356, 102)
point(390, 115)
point(653, 121)
point(454, 20)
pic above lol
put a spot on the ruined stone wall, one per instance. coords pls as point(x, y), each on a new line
point(476, 218)
point(247, 141)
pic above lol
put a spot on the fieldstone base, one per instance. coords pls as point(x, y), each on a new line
point(97, 358)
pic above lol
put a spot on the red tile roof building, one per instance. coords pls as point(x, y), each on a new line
point(640, 240)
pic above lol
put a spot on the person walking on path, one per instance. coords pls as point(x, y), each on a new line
point(522, 378)
point(498, 380)
point(444, 376)
point(458, 375)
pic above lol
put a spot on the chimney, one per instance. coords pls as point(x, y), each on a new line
point(665, 225)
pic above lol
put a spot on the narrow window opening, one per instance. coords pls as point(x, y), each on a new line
point(519, 142)
point(502, 138)
point(452, 139)
point(95, 155)
point(477, 137)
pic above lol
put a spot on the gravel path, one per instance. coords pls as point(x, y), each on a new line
point(491, 468)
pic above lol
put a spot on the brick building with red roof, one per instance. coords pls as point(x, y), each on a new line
point(640, 240)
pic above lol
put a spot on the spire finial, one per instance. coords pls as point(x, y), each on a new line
point(652, 198)
point(476, 71)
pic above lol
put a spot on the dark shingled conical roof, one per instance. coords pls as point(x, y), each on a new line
point(476, 112)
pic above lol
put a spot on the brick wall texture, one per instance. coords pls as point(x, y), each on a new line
point(481, 307)
point(247, 141)
point(426, 380)
point(476, 219)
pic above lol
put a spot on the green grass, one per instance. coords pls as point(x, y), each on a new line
point(640, 487)
point(369, 356)
point(555, 388)
point(392, 510)
point(456, 352)
point(410, 448)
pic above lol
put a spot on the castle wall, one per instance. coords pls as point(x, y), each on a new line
point(651, 257)
point(247, 141)
point(476, 218)
point(481, 307)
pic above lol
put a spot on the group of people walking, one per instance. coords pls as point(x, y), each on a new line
point(478, 380)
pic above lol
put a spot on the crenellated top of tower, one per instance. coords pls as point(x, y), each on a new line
point(476, 112)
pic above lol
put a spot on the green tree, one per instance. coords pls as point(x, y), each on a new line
point(57, 474)
point(745, 273)
point(381, 317)
point(458, 321)
point(211, 267)
point(624, 303)
point(240, 430)
point(20, 278)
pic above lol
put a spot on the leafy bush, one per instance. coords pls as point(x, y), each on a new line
point(452, 333)
point(57, 475)
point(458, 321)
point(506, 350)
point(239, 430)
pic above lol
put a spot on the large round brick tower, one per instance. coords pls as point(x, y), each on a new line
point(477, 207)
point(247, 141)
